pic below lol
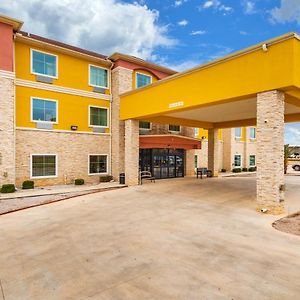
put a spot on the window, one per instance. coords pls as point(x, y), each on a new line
point(238, 132)
point(98, 77)
point(97, 164)
point(43, 64)
point(142, 80)
point(98, 116)
point(252, 133)
point(43, 110)
point(174, 128)
point(237, 160)
point(252, 161)
point(145, 125)
point(196, 132)
point(196, 161)
point(43, 165)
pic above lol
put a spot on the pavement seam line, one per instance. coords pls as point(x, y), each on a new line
point(2, 291)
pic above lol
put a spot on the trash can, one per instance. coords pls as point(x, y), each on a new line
point(122, 178)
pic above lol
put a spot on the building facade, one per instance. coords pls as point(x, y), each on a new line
point(60, 114)
point(237, 148)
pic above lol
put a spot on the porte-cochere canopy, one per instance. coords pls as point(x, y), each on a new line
point(222, 93)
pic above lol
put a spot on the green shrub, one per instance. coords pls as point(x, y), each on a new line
point(252, 169)
point(244, 169)
point(106, 178)
point(223, 170)
point(8, 188)
point(236, 170)
point(79, 181)
point(28, 184)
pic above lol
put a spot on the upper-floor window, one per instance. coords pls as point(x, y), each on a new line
point(98, 116)
point(252, 133)
point(145, 125)
point(43, 110)
point(98, 77)
point(196, 132)
point(238, 132)
point(43, 64)
point(142, 80)
point(174, 128)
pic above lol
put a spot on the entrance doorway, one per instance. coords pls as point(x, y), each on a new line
point(163, 163)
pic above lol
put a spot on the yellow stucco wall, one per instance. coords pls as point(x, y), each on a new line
point(204, 133)
point(72, 110)
point(73, 72)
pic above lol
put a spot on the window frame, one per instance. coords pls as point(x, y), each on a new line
point(252, 138)
point(173, 130)
point(44, 99)
point(250, 160)
point(240, 160)
point(140, 73)
point(238, 137)
point(108, 77)
point(146, 129)
point(47, 176)
point(31, 63)
point(89, 114)
point(107, 165)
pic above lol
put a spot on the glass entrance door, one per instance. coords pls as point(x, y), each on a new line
point(163, 163)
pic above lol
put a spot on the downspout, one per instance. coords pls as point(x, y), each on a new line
point(110, 116)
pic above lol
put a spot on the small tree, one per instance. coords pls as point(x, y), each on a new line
point(287, 154)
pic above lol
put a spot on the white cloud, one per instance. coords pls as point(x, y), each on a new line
point(288, 11)
point(104, 26)
point(243, 32)
point(292, 134)
point(198, 32)
point(249, 7)
point(179, 2)
point(217, 5)
point(183, 23)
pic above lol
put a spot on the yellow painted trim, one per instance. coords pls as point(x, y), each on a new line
point(16, 24)
point(292, 118)
point(234, 124)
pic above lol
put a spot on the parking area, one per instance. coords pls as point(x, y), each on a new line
point(173, 239)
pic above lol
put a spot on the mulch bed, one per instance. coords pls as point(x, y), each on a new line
point(289, 224)
point(16, 204)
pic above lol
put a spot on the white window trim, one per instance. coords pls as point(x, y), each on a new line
point(43, 177)
point(240, 160)
point(99, 86)
point(107, 167)
point(146, 129)
point(255, 160)
point(98, 126)
point(40, 121)
point(172, 131)
point(140, 73)
point(31, 63)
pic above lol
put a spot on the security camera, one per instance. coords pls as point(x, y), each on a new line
point(264, 210)
point(265, 47)
point(266, 121)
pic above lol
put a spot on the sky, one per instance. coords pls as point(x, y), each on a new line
point(179, 34)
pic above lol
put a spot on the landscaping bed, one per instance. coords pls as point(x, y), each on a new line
point(289, 224)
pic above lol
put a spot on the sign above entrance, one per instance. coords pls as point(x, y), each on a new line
point(176, 104)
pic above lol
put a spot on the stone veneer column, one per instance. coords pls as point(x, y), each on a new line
point(190, 162)
point(227, 148)
point(132, 152)
point(270, 152)
point(213, 151)
point(246, 148)
point(121, 83)
point(7, 130)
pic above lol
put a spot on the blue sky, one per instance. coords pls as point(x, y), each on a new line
point(177, 33)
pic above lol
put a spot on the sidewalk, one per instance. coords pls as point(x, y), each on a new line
point(23, 199)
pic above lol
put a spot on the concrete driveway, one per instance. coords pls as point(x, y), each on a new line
point(175, 239)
